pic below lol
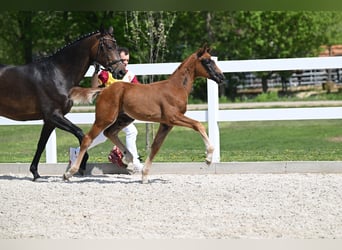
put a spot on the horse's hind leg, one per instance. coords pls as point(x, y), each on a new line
point(112, 133)
point(44, 136)
point(162, 132)
point(62, 123)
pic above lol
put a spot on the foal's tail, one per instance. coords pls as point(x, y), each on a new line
point(84, 95)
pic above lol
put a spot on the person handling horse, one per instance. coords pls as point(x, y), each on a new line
point(104, 79)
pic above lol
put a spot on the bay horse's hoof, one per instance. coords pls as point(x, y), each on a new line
point(66, 177)
point(81, 172)
point(36, 177)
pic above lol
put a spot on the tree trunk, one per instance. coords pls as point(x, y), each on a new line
point(264, 83)
point(25, 24)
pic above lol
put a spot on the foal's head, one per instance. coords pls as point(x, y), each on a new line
point(107, 55)
point(206, 67)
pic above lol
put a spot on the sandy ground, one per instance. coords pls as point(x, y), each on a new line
point(213, 206)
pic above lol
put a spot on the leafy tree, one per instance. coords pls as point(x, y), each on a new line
point(27, 35)
point(32, 34)
point(268, 34)
point(332, 30)
point(147, 33)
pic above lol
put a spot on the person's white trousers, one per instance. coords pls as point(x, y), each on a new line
point(131, 137)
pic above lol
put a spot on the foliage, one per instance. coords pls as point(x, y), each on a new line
point(25, 38)
point(157, 36)
point(147, 33)
point(267, 97)
point(271, 34)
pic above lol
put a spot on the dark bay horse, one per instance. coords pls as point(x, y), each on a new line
point(40, 90)
point(164, 102)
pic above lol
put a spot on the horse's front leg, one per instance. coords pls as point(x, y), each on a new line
point(184, 121)
point(44, 136)
point(162, 132)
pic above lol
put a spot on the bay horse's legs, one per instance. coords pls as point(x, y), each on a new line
point(162, 132)
point(182, 120)
point(63, 123)
point(44, 136)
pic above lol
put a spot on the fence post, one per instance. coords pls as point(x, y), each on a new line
point(51, 148)
point(213, 108)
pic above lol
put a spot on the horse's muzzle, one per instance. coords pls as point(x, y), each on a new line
point(218, 77)
point(118, 73)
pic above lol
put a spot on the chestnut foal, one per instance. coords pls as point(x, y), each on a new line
point(164, 102)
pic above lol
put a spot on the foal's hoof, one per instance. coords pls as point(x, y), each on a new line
point(144, 181)
point(208, 162)
point(134, 168)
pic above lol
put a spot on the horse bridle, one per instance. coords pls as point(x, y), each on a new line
point(109, 65)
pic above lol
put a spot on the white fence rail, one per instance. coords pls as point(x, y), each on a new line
point(213, 115)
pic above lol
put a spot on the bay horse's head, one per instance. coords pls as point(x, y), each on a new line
point(207, 67)
point(107, 55)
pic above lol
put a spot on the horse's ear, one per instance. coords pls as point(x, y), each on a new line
point(111, 30)
point(205, 48)
point(200, 52)
point(102, 31)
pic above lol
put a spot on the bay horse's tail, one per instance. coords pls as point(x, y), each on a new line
point(81, 95)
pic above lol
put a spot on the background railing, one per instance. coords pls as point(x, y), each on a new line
point(213, 115)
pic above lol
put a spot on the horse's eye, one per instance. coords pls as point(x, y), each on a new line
point(206, 61)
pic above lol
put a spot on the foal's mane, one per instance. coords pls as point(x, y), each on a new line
point(185, 61)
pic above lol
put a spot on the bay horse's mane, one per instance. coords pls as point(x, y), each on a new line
point(58, 51)
point(77, 40)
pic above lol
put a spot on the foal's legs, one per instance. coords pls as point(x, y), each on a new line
point(104, 118)
point(112, 133)
point(182, 120)
point(162, 132)
point(87, 140)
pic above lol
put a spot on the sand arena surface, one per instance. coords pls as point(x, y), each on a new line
point(209, 206)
